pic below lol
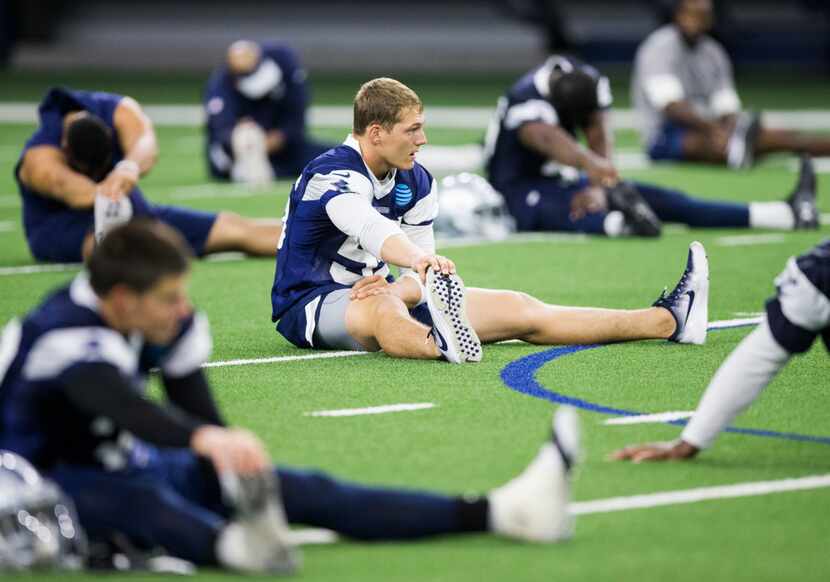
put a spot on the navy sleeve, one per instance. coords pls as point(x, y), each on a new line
point(220, 109)
point(191, 394)
point(791, 337)
point(101, 389)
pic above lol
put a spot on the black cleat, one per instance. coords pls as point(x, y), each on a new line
point(803, 199)
point(639, 217)
point(740, 152)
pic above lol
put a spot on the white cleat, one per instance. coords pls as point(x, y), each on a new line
point(110, 213)
point(251, 164)
point(455, 337)
point(534, 505)
point(689, 300)
point(258, 539)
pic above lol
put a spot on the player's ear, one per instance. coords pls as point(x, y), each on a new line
point(374, 133)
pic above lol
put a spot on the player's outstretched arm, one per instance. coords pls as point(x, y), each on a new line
point(737, 384)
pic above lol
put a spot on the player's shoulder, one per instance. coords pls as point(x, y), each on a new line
point(667, 37)
point(815, 264)
point(418, 180)
point(186, 352)
point(339, 169)
point(281, 52)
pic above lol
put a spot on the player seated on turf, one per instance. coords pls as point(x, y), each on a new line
point(368, 204)
point(79, 172)
point(175, 475)
point(255, 106)
point(684, 93)
point(552, 182)
point(798, 314)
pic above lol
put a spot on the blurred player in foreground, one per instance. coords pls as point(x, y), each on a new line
point(72, 402)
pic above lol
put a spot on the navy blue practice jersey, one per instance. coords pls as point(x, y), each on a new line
point(507, 160)
point(63, 334)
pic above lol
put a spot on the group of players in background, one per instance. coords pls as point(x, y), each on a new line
point(77, 364)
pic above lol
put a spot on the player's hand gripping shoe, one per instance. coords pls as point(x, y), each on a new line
point(640, 219)
point(803, 199)
point(534, 505)
point(257, 539)
point(455, 337)
point(689, 300)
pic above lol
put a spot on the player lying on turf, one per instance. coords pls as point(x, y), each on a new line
point(79, 173)
point(255, 109)
point(552, 182)
point(175, 476)
point(684, 94)
point(798, 314)
point(367, 204)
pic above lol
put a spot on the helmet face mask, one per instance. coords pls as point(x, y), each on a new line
point(469, 207)
point(38, 524)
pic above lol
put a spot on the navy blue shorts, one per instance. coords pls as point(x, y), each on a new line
point(60, 238)
point(544, 204)
point(668, 144)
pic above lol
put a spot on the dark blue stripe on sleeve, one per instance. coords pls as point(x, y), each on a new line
point(789, 336)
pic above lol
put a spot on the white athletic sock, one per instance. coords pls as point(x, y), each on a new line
point(738, 382)
point(233, 550)
point(771, 215)
point(250, 155)
point(614, 224)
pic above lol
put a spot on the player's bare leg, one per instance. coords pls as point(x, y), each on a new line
point(256, 237)
point(383, 323)
point(500, 315)
point(782, 140)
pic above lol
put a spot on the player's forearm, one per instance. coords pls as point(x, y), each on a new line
point(682, 113)
point(398, 250)
point(738, 382)
point(554, 143)
point(144, 152)
point(599, 136)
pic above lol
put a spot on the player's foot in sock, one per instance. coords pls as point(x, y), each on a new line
point(689, 300)
point(740, 150)
point(803, 199)
point(110, 213)
point(455, 337)
point(640, 219)
point(534, 505)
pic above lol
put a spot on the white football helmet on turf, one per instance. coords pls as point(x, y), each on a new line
point(470, 207)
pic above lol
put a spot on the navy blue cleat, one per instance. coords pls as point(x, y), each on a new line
point(640, 219)
point(689, 300)
point(803, 199)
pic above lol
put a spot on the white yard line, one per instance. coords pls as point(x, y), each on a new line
point(699, 494)
point(276, 359)
point(35, 269)
point(728, 323)
point(384, 409)
point(743, 240)
point(657, 417)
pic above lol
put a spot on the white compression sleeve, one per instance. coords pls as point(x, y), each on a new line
point(738, 382)
point(356, 217)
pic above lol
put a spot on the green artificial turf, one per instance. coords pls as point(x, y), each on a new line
point(481, 433)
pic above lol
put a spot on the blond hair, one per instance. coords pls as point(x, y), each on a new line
point(382, 101)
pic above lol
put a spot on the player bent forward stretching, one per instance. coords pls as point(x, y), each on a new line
point(367, 204)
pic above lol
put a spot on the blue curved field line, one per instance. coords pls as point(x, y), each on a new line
point(520, 375)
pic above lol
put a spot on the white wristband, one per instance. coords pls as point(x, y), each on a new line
point(128, 167)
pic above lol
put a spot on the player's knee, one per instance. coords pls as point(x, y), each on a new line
point(524, 307)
